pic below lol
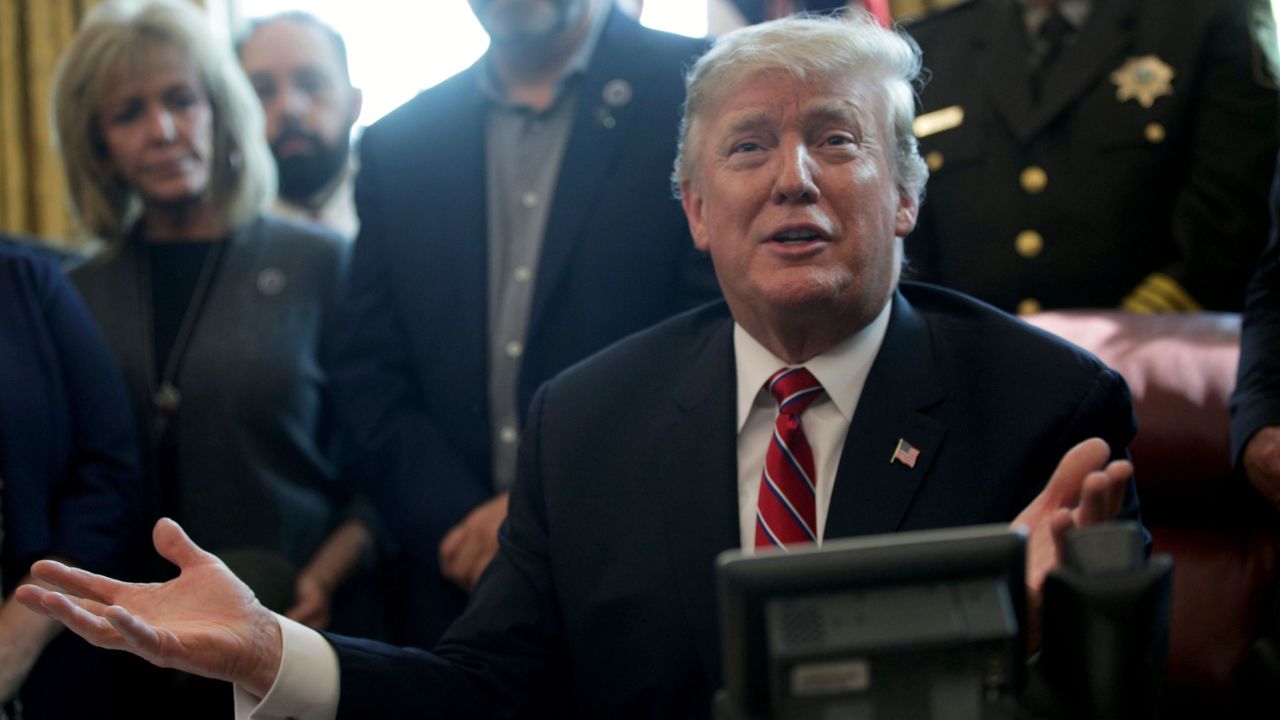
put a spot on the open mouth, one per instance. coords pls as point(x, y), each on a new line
point(795, 237)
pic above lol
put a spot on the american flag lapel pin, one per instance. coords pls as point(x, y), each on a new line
point(905, 453)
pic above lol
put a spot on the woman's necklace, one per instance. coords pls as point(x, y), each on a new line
point(166, 398)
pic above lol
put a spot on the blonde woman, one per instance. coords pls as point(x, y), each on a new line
point(220, 318)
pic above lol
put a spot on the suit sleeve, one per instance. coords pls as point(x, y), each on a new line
point(505, 657)
point(393, 450)
point(1105, 411)
point(96, 505)
point(1219, 220)
point(1256, 402)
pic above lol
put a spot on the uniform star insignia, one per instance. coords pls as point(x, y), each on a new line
point(1144, 79)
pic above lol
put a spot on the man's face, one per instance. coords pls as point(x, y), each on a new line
point(309, 104)
point(795, 197)
point(526, 22)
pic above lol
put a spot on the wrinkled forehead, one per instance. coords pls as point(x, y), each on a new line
point(769, 95)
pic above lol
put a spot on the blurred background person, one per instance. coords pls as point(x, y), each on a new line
point(751, 12)
point(514, 219)
point(69, 484)
point(298, 66)
point(1089, 153)
point(218, 315)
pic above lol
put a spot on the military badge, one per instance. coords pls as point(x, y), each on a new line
point(1144, 79)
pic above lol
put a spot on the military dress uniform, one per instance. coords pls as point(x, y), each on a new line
point(1131, 171)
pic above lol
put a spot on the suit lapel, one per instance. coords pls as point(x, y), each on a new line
point(1098, 49)
point(1003, 52)
point(697, 482)
point(598, 134)
point(1001, 48)
point(444, 251)
point(872, 491)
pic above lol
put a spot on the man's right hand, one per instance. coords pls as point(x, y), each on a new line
point(205, 621)
point(1262, 462)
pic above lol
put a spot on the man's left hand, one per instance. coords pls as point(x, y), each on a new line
point(467, 549)
point(1084, 490)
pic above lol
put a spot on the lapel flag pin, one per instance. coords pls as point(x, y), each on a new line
point(905, 453)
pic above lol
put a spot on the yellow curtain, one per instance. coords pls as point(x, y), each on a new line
point(32, 194)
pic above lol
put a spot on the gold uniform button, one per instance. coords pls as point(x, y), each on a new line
point(1154, 132)
point(1030, 306)
point(1028, 243)
point(934, 160)
point(1033, 179)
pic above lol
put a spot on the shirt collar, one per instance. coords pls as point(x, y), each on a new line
point(579, 62)
point(1075, 12)
point(842, 370)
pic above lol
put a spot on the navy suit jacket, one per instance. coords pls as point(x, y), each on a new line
point(412, 381)
point(601, 601)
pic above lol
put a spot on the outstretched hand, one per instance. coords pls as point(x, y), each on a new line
point(1085, 490)
point(205, 621)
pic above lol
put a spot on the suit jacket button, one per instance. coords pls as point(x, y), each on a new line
point(934, 160)
point(1154, 132)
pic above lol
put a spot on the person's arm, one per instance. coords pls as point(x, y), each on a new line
point(328, 568)
point(1219, 214)
point(307, 686)
point(205, 621)
point(505, 657)
point(94, 497)
point(95, 511)
point(468, 548)
point(1261, 462)
point(392, 450)
point(23, 636)
point(1087, 488)
point(1255, 405)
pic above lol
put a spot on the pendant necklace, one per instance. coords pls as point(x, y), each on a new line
point(166, 399)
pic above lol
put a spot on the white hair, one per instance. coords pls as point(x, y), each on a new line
point(807, 46)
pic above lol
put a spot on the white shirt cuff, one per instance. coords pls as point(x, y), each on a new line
point(307, 686)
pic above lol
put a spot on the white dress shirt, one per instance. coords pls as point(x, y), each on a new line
point(842, 370)
point(308, 684)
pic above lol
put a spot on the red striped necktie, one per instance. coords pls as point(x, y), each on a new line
point(787, 512)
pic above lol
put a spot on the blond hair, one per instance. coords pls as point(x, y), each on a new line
point(115, 38)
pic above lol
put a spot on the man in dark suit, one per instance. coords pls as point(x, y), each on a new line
point(1096, 153)
point(514, 220)
point(799, 175)
point(1255, 405)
